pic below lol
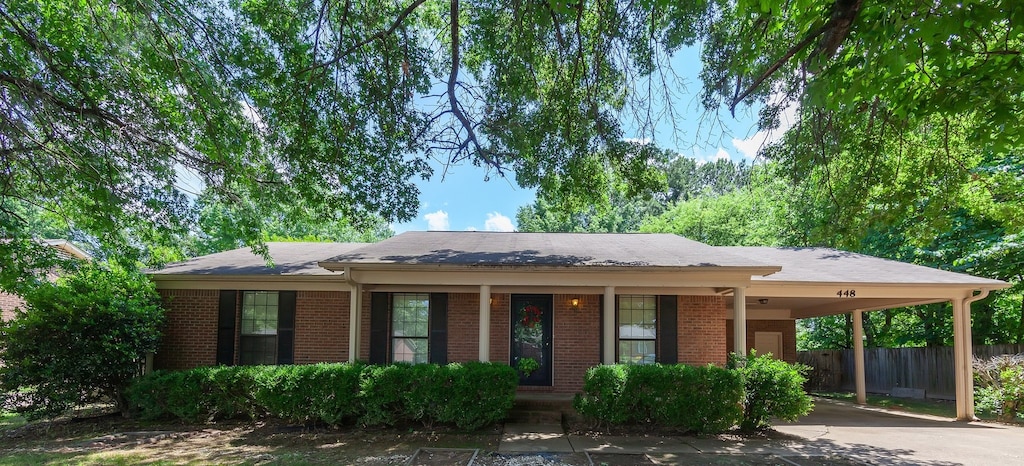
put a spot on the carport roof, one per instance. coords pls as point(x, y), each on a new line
point(825, 265)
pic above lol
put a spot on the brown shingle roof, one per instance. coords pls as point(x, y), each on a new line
point(289, 259)
point(542, 249)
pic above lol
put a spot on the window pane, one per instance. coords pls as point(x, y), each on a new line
point(410, 315)
point(637, 316)
point(257, 350)
point(636, 352)
point(259, 313)
point(413, 350)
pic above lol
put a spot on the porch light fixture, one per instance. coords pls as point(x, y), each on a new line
point(762, 301)
point(575, 303)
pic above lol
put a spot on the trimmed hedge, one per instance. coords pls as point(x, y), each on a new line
point(702, 400)
point(468, 395)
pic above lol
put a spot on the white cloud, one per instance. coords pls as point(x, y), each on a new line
point(497, 222)
point(640, 141)
point(437, 221)
point(749, 146)
point(721, 155)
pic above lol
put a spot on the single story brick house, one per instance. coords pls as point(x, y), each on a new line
point(568, 300)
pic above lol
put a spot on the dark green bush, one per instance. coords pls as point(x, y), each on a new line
point(467, 395)
point(773, 389)
point(477, 394)
point(79, 340)
point(309, 393)
point(694, 399)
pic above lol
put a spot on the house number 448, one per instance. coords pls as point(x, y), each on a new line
point(847, 293)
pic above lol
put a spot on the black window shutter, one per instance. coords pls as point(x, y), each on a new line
point(668, 331)
point(285, 327)
point(438, 344)
point(378, 328)
point(226, 327)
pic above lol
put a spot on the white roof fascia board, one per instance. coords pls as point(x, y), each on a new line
point(563, 278)
point(946, 291)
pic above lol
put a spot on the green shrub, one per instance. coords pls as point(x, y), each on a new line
point(773, 389)
point(694, 399)
point(1000, 386)
point(79, 340)
point(467, 395)
point(603, 388)
point(477, 394)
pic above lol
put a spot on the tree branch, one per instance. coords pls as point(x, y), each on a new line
point(379, 35)
point(453, 101)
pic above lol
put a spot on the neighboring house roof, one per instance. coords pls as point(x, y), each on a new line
point(825, 265)
point(289, 259)
point(498, 249)
point(67, 248)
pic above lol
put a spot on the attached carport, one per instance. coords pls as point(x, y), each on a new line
point(818, 282)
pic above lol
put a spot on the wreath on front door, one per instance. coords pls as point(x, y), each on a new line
point(529, 315)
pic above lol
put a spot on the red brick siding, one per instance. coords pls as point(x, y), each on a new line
point(463, 327)
point(8, 303)
point(190, 338)
point(576, 339)
point(321, 326)
point(787, 327)
point(501, 332)
point(701, 330)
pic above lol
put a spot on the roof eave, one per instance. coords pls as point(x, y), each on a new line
point(752, 270)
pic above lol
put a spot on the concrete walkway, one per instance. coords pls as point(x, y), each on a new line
point(835, 433)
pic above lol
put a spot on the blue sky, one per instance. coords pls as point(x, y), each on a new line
point(464, 201)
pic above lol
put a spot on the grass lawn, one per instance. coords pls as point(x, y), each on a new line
point(943, 408)
point(113, 440)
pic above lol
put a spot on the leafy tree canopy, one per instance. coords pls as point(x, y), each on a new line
point(108, 108)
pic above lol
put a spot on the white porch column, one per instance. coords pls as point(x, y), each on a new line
point(739, 321)
point(485, 323)
point(355, 301)
point(963, 412)
point(608, 339)
point(858, 356)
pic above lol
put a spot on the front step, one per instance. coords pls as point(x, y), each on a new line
point(521, 416)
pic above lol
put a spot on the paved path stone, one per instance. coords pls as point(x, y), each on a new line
point(534, 438)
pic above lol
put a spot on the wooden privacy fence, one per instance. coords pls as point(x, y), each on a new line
point(928, 369)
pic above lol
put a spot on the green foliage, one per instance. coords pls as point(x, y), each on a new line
point(1000, 386)
point(526, 366)
point(78, 340)
point(469, 395)
point(773, 389)
point(334, 106)
point(693, 399)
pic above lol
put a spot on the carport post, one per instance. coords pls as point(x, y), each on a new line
point(858, 356)
point(485, 324)
point(963, 412)
point(739, 321)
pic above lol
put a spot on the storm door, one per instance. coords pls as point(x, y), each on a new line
point(531, 336)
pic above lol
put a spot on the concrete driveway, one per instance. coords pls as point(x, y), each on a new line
point(873, 436)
